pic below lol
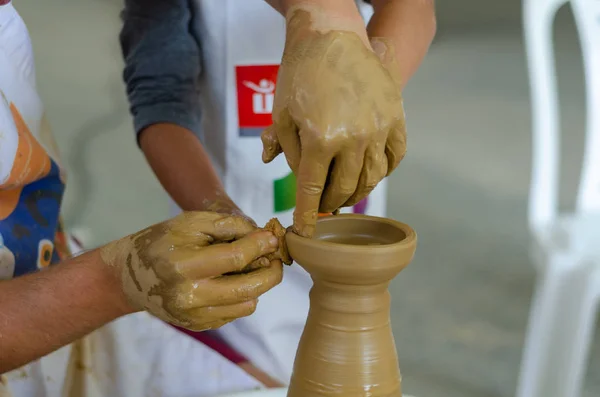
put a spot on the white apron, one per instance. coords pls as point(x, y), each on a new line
point(135, 356)
point(139, 355)
point(242, 43)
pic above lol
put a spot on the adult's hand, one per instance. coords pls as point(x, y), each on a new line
point(199, 270)
point(338, 115)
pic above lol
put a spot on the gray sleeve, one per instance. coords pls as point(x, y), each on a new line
point(162, 63)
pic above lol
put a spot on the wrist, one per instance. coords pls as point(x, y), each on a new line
point(107, 276)
point(323, 17)
point(223, 204)
point(217, 200)
point(336, 8)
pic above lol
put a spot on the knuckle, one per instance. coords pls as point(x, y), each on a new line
point(243, 295)
point(372, 183)
point(320, 142)
point(251, 307)
point(199, 326)
point(237, 258)
point(181, 297)
point(369, 187)
point(312, 189)
point(216, 324)
point(363, 135)
point(241, 223)
point(278, 274)
point(345, 191)
point(169, 270)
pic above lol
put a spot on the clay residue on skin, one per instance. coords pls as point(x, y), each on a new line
point(184, 270)
point(383, 47)
point(223, 204)
point(140, 280)
point(325, 22)
point(338, 115)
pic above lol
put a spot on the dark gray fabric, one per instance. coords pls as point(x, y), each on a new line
point(162, 63)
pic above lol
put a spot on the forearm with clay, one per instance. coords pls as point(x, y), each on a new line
point(199, 270)
point(408, 25)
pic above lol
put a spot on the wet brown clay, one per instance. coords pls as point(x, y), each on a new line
point(274, 226)
point(347, 347)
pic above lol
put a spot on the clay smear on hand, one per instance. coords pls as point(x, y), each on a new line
point(338, 116)
point(177, 270)
point(322, 20)
point(222, 203)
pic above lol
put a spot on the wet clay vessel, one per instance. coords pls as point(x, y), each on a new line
point(347, 347)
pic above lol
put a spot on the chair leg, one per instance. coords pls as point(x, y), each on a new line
point(559, 332)
point(575, 363)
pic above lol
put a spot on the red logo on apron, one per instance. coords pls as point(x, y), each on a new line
point(255, 94)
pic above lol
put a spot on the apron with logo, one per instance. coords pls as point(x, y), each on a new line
point(242, 42)
point(138, 355)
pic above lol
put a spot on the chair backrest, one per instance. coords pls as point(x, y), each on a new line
point(538, 18)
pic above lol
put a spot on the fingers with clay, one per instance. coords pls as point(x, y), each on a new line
point(338, 117)
point(199, 270)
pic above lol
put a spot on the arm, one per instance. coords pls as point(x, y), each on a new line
point(409, 25)
point(184, 169)
point(326, 15)
point(155, 269)
point(38, 313)
point(333, 7)
point(162, 71)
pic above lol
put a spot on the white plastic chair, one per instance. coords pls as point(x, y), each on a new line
point(566, 246)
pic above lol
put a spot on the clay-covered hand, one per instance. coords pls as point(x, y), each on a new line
point(338, 117)
point(223, 204)
point(199, 270)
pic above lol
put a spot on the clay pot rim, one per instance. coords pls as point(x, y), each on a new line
point(409, 240)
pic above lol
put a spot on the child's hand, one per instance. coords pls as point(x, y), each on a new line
point(338, 116)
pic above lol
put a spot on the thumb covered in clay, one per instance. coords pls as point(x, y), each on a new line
point(193, 270)
point(271, 146)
